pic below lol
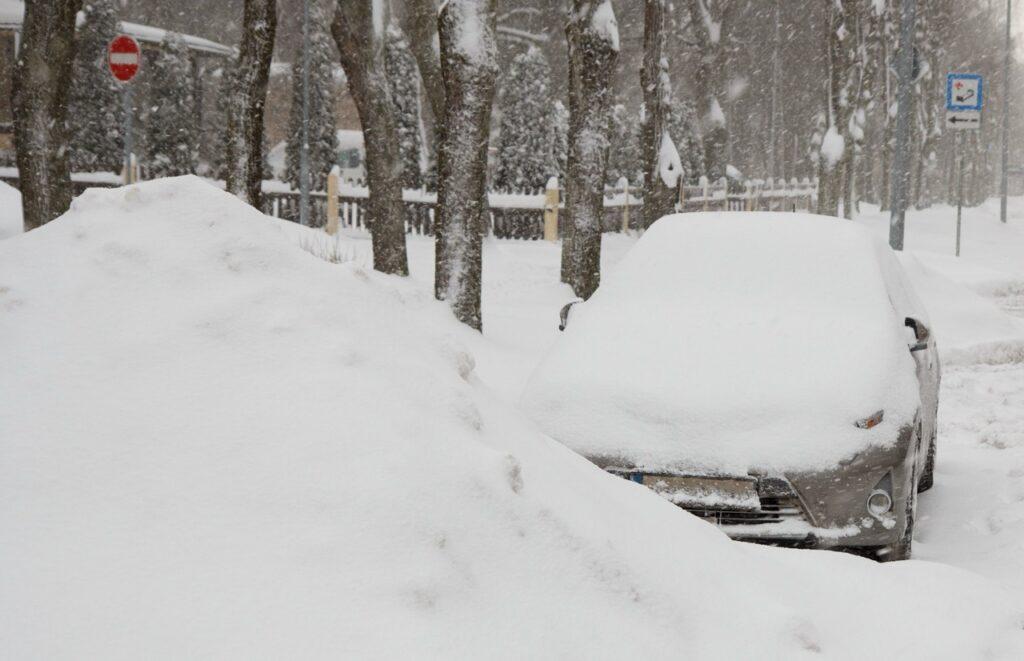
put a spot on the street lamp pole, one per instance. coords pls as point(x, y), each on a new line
point(905, 98)
point(304, 151)
point(1003, 183)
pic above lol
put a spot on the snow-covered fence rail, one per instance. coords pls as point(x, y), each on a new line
point(79, 180)
point(521, 215)
point(512, 215)
point(751, 195)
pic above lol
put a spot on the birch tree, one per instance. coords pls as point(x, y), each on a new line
point(469, 67)
point(244, 157)
point(359, 29)
point(39, 100)
point(593, 38)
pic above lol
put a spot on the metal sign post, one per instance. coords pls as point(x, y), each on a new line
point(304, 150)
point(960, 188)
point(123, 58)
point(964, 100)
point(1004, 180)
point(129, 147)
point(904, 104)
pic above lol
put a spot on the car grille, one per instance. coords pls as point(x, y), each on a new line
point(772, 510)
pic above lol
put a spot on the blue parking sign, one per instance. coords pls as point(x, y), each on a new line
point(964, 91)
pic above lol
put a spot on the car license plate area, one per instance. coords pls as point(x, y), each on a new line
point(705, 492)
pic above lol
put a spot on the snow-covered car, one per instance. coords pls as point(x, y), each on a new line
point(772, 373)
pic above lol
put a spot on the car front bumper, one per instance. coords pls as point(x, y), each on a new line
point(823, 509)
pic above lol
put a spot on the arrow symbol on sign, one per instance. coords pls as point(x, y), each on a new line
point(968, 120)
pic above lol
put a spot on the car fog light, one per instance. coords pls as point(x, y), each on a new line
point(879, 502)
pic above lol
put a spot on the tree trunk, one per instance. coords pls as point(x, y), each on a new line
point(593, 50)
point(42, 78)
point(659, 199)
point(710, 19)
point(885, 176)
point(420, 25)
point(469, 68)
point(420, 21)
point(248, 99)
point(841, 51)
point(361, 41)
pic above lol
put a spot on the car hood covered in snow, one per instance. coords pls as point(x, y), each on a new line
point(732, 342)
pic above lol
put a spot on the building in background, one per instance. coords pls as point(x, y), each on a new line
point(204, 54)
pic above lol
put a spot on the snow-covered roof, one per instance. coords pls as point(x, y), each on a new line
point(12, 15)
point(278, 68)
point(732, 342)
point(350, 139)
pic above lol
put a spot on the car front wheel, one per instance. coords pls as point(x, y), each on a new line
point(903, 548)
point(928, 477)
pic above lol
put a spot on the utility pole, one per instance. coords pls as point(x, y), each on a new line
point(905, 99)
point(1003, 184)
point(304, 151)
point(773, 130)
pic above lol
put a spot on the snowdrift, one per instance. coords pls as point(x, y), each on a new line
point(216, 445)
point(10, 211)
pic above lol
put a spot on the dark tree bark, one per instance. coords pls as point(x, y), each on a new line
point(710, 20)
point(593, 51)
point(361, 42)
point(841, 51)
point(420, 23)
point(42, 78)
point(469, 67)
point(658, 198)
point(248, 100)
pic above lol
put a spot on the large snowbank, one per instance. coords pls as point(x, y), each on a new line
point(730, 342)
point(11, 222)
point(215, 445)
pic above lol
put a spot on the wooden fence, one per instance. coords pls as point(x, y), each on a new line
point(512, 215)
point(524, 215)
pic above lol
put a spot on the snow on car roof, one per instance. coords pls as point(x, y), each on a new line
point(730, 342)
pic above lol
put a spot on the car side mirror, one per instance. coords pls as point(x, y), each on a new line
point(921, 334)
point(563, 316)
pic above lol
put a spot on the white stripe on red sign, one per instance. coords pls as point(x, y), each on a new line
point(124, 58)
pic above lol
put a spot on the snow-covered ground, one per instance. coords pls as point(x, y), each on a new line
point(974, 517)
point(10, 211)
point(215, 445)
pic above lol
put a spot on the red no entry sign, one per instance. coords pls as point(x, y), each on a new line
point(124, 57)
